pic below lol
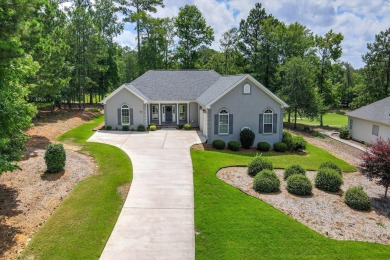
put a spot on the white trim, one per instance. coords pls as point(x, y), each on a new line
point(177, 113)
point(172, 101)
point(272, 121)
point(219, 121)
point(119, 89)
point(128, 108)
point(159, 113)
point(254, 81)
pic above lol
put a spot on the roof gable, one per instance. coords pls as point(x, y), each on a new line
point(227, 83)
point(128, 87)
point(378, 111)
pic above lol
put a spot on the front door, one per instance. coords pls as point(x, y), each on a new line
point(168, 114)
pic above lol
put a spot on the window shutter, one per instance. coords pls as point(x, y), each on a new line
point(260, 123)
point(131, 117)
point(230, 124)
point(275, 123)
point(215, 124)
point(119, 117)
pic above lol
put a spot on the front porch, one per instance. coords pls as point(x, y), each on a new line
point(171, 114)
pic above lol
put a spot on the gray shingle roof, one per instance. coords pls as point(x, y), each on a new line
point(135, 90)
point(174, 84)
point(377, 112)
point(219, 87)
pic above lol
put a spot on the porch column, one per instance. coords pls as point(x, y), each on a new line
point(159, 114)
point(147, 114)
point(188, 112)
point(177, 113)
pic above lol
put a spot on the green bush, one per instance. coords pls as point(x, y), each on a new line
point(125, 128)
point(108, 127)
point(94, 109)
point(153, 124)
point(280, 147)
point(141, 128)
point(299, 185)
point(288, 140)
point(344, 133)
point(328, 180)
point(299, 143)
point(187, 126)
point(293, 170)
point(330, 165)
point(263, 146)
point(219, 144)
point(234, 146)
point(266, 181)
point(258, 164)
point(180, 126)
point(317, 134)
point(152, 127)
point(247, 137)
point(356, 198)
point(55, 157)
point(132, 128)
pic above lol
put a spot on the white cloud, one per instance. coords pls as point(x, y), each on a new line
point(127, 38)
point(357, 20)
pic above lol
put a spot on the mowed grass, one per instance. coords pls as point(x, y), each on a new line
point(329, 119)
point(233, 225)
point(80, 227)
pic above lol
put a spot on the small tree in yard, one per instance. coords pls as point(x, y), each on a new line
point(376, 163)
point(55, 158)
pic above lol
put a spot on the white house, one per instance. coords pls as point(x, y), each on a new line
point(370, 122)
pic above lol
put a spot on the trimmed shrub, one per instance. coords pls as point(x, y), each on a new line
point(219, 144)
point(141, 128)
point(344, 133)
point(294, 170)
point(328, 180)
point(266, 181)
point(299, 143)
point(187, 126)
point(263, 146)
point(356, 198)
point(132, 128)
point(299, 185)
point(317, 134)
point(288, 140)
point(55, 157)
point(247, 137)
point(180, 126)
point(280, 147)
point(258, 164)
point(125, 128)
point(94, 109)
point(152, 127)
point(108, 127)
point(234, 146)
point(330, 165)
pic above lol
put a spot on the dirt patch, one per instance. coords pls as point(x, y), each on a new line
point(325, 212)
point(29, 196)
point(123, 190)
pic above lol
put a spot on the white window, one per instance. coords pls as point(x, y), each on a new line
point(247, 89)
point(125, 112)
point(268, 121)
point(154, 112)
point(350, 124)
point(182, 112)
point(375, 130)
point(223, 126)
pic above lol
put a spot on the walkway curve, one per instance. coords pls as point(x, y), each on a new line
point(157, 219)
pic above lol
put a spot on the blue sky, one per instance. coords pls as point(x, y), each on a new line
point(357, 20)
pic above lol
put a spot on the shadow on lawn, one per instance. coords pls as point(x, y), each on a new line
point(8, 208)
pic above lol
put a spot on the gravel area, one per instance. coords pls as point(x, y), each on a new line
point(29, 196)
point(325, 212)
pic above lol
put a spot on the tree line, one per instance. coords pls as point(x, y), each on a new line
point(63, 52)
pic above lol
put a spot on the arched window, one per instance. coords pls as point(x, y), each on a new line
point(223, 122)
point(246, 89)
point(125, 115)
point(268, 121)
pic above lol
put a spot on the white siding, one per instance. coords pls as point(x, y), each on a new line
point(362, 130)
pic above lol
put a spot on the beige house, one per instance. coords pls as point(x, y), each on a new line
point(370, 122)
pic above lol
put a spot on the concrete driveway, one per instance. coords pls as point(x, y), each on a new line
point(157, 219)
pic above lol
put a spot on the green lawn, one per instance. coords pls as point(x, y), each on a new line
point(329, 119)
point(233, 225)
point(82, 224)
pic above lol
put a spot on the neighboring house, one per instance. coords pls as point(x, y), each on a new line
point(219, 105)
point(370, 122)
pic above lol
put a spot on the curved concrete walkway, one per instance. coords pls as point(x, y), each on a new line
point(157, 219)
